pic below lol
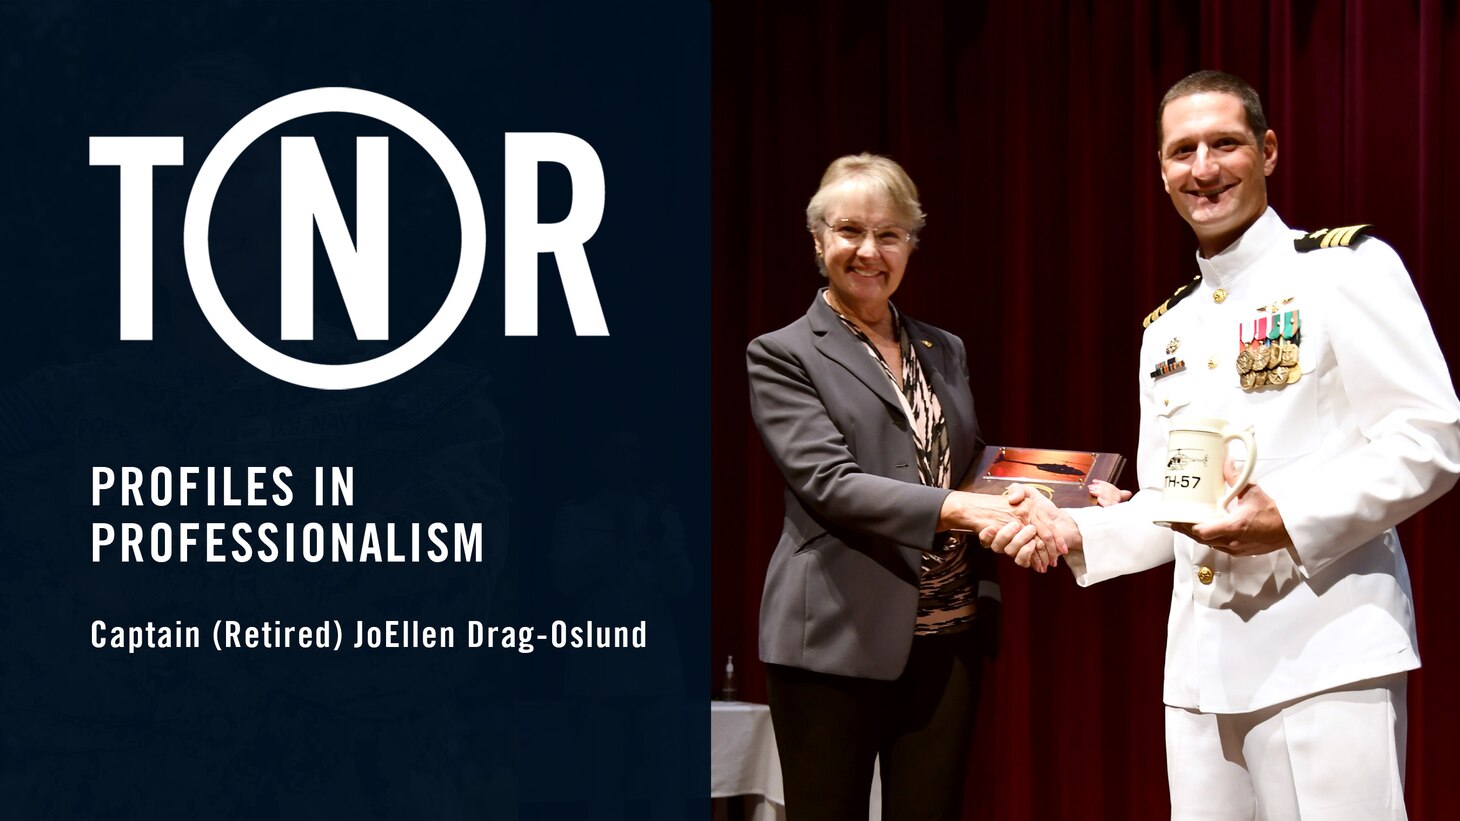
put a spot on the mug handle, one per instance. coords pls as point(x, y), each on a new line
point(1245, 437)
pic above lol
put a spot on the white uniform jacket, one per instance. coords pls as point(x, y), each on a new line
point(1369, 435)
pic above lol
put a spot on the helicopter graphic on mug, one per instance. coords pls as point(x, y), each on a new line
point(1193, 490)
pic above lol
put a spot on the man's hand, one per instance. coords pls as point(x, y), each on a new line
point(1253, 526)
point(1014, 540)
point(1016, 524)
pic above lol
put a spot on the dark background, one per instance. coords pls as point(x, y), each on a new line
point(588, 471)
point(1029, 128)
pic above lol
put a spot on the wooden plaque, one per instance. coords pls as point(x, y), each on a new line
point(1062, 475)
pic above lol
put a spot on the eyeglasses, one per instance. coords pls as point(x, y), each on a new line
point(855, 233)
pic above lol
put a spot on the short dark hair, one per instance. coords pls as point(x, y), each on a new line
point(1216, 82)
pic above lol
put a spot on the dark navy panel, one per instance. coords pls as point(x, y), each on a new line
point(585, 460)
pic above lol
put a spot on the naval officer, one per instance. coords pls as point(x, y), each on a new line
point(1292, 627)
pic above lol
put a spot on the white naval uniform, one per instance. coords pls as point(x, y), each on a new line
point(1368, 436)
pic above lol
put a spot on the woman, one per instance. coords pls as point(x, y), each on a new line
point(869, 600)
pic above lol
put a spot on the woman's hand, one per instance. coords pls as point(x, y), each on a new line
point(1107, 494)
point(1013, 525)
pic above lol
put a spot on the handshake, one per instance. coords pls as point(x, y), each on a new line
point(1023, 523)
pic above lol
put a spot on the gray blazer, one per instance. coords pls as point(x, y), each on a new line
point(841, 593)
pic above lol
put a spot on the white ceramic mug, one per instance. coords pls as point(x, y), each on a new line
point(1194, 490)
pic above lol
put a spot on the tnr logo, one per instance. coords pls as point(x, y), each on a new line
point(361, 268)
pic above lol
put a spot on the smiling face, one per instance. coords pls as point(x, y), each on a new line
point(862, 273)
point(1215, 169)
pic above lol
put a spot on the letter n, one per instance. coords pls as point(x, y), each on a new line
point(362, 268)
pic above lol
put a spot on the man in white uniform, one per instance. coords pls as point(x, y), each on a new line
point(1291, 626)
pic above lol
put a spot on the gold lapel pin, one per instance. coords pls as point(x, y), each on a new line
point(927, 343)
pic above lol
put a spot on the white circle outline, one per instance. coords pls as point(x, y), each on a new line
point(346, 101)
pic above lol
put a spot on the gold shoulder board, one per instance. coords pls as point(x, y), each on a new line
point(1181, 293)
point(1344, 237)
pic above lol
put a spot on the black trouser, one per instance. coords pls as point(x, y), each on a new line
point(829, 729)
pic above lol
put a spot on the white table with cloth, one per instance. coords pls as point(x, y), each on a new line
point(744, 761)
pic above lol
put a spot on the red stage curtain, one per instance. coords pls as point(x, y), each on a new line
point(1030, 129)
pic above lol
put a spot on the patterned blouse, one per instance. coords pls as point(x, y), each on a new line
point(947, 597)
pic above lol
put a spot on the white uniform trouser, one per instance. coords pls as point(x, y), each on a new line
point(1334, 756)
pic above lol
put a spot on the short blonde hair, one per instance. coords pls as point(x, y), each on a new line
point(876, 172)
